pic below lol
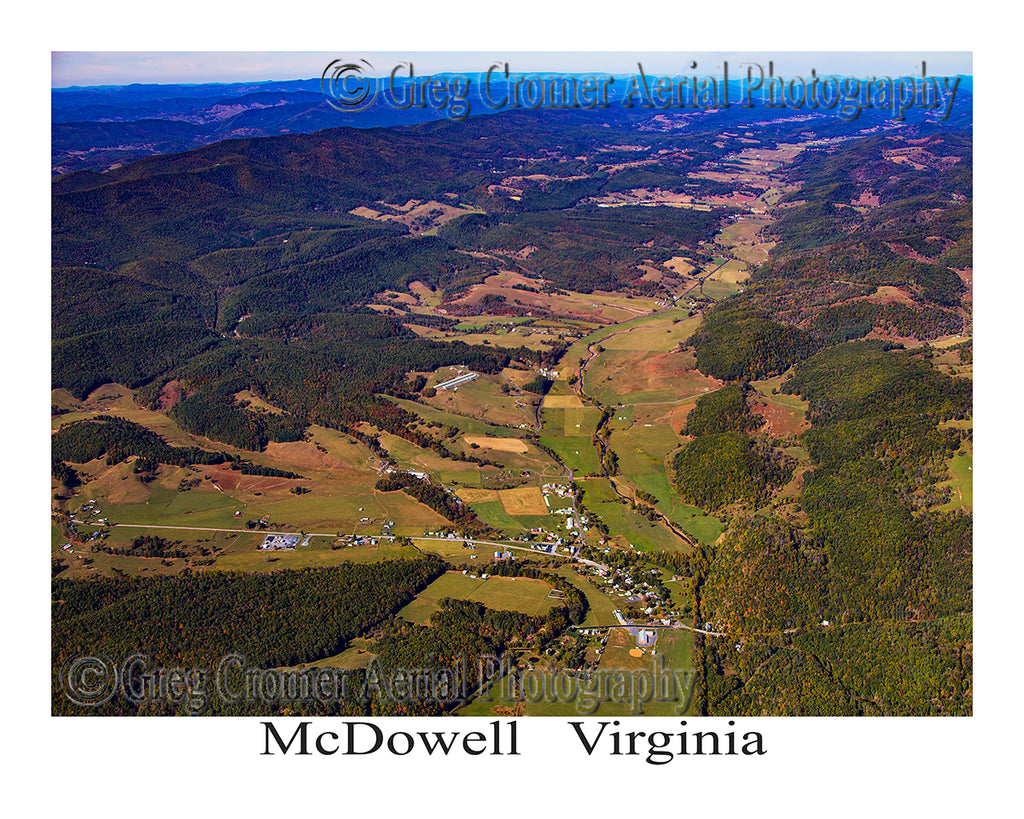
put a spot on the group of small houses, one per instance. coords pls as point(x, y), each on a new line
point(572, 526)
point(88, 509)
point(638, 590)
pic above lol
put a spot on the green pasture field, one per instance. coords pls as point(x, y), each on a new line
point(522, 594)
point(691, 519)
point(357, 655)
point(524, 338)
point(462, 478)
point(624, 523)
point(480, 399)
point(961, 483)
point(637, 377)
point(742, 231)
point(622, 418)
point(339, 481)
point(303, 558)
point(466, 474)
point(493, 514)
point(642, 452)
point(718, 290)
point(657, 334)
point(454, 551)
point(335, 504)
point(732, 272)
point(495, 701)
point(596, 490)
point(578, 454)
point(765, 387)
point(560, 387)
point(410, 456)
point(468, 426)
point(580, 421)
point(753, 254)
point(602, 607)
point(642, 449)
point(240, 553)
point(579, 348)
point(428, 297)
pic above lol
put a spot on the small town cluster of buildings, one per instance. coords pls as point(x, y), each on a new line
point(89, 510)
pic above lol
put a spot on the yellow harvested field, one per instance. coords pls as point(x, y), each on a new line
point(499, 444)
point(952, 341)
point(680, 265)
point(471, 495)
point(526, 500)
point(732, 272)
point(301, 455)
point(562, 401)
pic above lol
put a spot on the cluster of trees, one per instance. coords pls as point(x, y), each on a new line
point(352, 277)
point(852, 320)
point(216, 415)
point(461, 633)
point(333, 375)
point(148, 546)
point(194, 620)
point(765, 578)
point(118, 439)
point(740, 341)
point(724, 410)
point(87, 300)
point(125, 355)
point(63, 474)
point(538, 385)
point(858, 669)
point(856, 599)
point(716, 470)
point(869, 260)
point(724, 465)
point(249, 468)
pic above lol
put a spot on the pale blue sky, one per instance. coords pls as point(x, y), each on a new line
point(124, 67)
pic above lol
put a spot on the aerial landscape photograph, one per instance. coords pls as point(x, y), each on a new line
point(445, 385)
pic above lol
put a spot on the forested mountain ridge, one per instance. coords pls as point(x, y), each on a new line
point(858, 599)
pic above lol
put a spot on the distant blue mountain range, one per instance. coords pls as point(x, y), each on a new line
point(99, 127)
